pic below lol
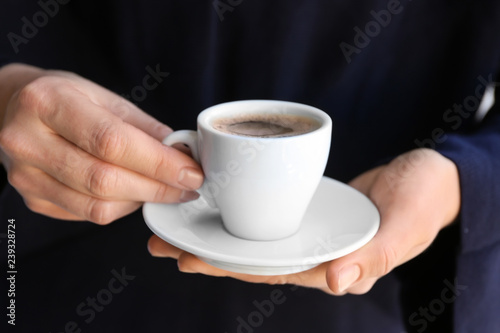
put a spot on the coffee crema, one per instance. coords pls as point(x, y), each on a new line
point(266, 125)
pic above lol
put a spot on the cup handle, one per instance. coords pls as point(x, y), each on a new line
point(190, 138)
point(187, 137)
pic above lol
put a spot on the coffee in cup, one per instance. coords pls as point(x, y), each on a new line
point(266, 125)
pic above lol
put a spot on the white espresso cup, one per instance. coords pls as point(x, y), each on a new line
point(262, 184)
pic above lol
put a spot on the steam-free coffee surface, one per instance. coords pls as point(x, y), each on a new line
point(266, 125)
point(258, 128)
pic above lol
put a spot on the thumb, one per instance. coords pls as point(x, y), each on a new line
point(357, 272)
point(392, 246)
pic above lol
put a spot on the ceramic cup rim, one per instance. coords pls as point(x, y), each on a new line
point(255, 106)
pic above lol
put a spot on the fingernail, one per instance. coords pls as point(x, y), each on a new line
point(188, 196)
point(347, 276)
point(190, 178)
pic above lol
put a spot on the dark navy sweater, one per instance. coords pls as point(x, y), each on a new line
point(394, 76)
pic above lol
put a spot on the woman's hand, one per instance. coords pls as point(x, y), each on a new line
point(417, 195)
point(77, 151)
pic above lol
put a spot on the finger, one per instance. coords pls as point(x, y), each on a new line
point(159, 248)
point(49, 209)
point(106, 136)
point(85, 173)
point(33, 183)
point(131, 114)
point(189, 263)
point(119, 106)
point(313, 278)
point(82, 171)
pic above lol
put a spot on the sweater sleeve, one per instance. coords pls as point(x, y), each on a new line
point(477, 156)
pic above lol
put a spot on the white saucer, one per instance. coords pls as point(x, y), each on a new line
point(338, 221)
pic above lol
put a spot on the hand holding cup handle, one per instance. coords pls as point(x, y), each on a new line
point(190, 139)
point(77, 151)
